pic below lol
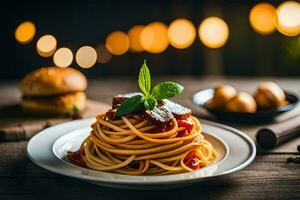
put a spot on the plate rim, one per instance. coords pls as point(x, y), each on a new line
point(245, 136)
point(250, 158)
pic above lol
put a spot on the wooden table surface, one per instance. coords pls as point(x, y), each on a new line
point(268, 177)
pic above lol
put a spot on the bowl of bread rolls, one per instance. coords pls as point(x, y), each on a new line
point(228, 104)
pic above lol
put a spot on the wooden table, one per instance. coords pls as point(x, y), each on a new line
point(268, 177)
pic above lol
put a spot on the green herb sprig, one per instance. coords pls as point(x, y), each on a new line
point(148, 98)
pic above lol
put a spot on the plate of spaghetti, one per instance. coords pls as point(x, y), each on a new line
point(144, 141)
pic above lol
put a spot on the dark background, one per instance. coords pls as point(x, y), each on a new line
point(78, 23)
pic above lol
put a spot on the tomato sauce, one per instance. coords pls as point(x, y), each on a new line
point(187, 123)
point(192, 161)
point(76, 157)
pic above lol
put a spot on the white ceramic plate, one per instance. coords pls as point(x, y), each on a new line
point(48, 149)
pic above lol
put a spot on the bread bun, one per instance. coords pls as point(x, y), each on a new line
point(221, 96)
point(269, 95)
point(49, 81)
point(60, 105)
point(242, 102)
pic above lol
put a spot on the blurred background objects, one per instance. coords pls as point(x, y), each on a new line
point(105, 38)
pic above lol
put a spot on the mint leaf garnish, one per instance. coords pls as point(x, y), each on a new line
point(150, 103)
point(166, 90)
point(133, 104)
point(148, 100)
point(145, 79)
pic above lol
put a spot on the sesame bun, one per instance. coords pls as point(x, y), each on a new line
point(60, 104)
point(48, 81)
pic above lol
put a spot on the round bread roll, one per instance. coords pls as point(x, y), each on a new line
point(60, 105)
point(242, 102)
point(221, 96)
point(269, 95)
point(49, 81)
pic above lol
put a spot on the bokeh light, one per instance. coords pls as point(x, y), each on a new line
point(262, 18)
point(181, 33)
point(117, 43)
point(25, 32)
point(103, 55)
point(213, 32)
point(63, 57)
point(86, 56)
point(154, 37)
point(46, 45)
point(288, 18)
point(134, 35)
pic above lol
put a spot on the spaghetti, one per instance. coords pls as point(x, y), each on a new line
point(134, 145)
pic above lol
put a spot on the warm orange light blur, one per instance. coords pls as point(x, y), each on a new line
point(288, 18)
point(103, 55)
point(25, 32)
point(46, 45)
point(262, 18)
point(154, 37)
point(213, 32)
point(86, 57)
point(117, 43)
point(181, 33)
point(63, 57)
point(134, 35)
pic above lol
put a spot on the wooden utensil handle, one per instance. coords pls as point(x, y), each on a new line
point(26, 131)
point(270, 136)
point(22, 132)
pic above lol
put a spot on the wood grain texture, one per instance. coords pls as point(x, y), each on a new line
point(16, 125)
point(268, 177)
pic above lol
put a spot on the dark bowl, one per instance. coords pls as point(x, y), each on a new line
point(202, 97)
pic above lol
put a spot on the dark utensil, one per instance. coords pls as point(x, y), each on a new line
point(270, 136)
point(202, 97)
